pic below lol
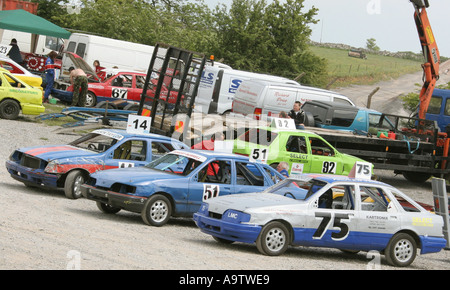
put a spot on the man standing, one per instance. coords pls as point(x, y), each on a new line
point(49, 74)
point(298, 115)
point(79, 81)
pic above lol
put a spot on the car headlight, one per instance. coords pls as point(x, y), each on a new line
point(52, 167)
point(234, 216)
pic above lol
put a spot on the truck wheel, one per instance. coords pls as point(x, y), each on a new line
point(273, 239)
point(157, 210)
point(72, 186)
point(91, 99)
point(416, 177)
point(9, 109)
point(106, 208)
point(401, 250)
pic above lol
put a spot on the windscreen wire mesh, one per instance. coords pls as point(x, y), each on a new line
point(170, 89)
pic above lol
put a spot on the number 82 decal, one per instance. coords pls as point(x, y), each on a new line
point(329, 167)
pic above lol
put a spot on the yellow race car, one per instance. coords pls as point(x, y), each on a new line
point(20, 72)
point(16, 96)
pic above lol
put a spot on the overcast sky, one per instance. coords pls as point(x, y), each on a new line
point(389, 22)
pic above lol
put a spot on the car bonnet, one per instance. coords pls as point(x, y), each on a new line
point(242, 202)
point(56, 152)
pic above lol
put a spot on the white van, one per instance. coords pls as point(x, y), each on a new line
point(109, 52)
point(259, 97)
point(44, 45)
point(219, 84)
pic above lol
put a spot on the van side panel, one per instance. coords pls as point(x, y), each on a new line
point(246, 99)
point(278, 99)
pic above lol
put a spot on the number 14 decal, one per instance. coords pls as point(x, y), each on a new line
point(325, 224)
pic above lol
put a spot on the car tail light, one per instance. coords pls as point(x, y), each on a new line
point(257, 113)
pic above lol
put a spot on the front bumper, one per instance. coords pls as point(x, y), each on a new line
point(123, 201)
point(30, 176)
point(229, 231)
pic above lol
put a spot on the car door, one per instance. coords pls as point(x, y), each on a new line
point(330, 218)
point(211, 180)
point(324, 158)
point(377, 218)
point(120, 86)
point(248, 177)
point(127, 153)
point(295, 150)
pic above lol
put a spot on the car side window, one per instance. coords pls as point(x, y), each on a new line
point(160, 148)
point(296, 144)
point(338, 197)
point(319, 147)
point(248, 174)
point(131, 150)
point(140, 81)
point(373, 199)
point(217, 171)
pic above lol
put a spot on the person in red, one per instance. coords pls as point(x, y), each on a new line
point(213, 167)
point(98, 70)
point(209, 143)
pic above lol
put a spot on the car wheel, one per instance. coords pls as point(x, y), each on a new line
point(72, 186)
point(401, 250)
point(9, 109)
point(157, 210)
point(273, 239)
point(106, 208)
point(91, 99)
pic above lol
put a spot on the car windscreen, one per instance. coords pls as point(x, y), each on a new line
point(95, 142)
point(173, 163)
point(297, 189)
point(259, 136)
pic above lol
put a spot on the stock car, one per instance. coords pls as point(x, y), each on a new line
point(121, 85)
point(363, 215)
point(176, 184)
point(304, 151)
point(16, 96)
point(68, 166)
point(20, 72)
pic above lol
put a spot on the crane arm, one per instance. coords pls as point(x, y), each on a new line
point(430, 52)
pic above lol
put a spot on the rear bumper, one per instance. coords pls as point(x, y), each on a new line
point(32, 109)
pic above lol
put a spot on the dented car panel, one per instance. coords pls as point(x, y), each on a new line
point(48, 166)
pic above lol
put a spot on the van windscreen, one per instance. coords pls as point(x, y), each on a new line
point(258, 136)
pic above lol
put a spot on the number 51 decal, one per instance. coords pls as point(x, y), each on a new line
point(325, 224)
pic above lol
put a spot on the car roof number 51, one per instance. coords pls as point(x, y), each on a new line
point(139, 124)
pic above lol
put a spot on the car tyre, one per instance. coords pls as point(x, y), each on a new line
point(106, 208)
point(91, 99)
point(9, 109)
point(274, 239)
point(72, 186)
point(157, 210)
point(401, 250)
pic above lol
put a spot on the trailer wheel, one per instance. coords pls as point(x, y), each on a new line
point(416, 177)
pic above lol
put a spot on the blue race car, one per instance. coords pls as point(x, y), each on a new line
point(326, 211)
point(68, 166)
point(177, 183)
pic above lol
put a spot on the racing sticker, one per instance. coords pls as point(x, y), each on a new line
point(119, 93)
point(126, 164)
point(297, 168)
point(210, 191)
point(329, 167)
point(259, 155)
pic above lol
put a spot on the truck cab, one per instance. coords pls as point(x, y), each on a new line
point(439, 108)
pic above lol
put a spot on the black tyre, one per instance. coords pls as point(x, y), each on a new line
point(274, 239)
point(401, 250)
point(416, 177)
point(72, 186)
point(9, 109)
point(106, 208)
point(157, 210)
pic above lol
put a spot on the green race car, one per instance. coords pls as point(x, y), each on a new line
point(303, 151)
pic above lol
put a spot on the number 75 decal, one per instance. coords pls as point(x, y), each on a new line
point(325, 225)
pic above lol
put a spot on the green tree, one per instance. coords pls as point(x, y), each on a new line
point(371, 44)
point(254, 36)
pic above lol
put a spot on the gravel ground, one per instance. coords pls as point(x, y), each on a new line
point(41, 229)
